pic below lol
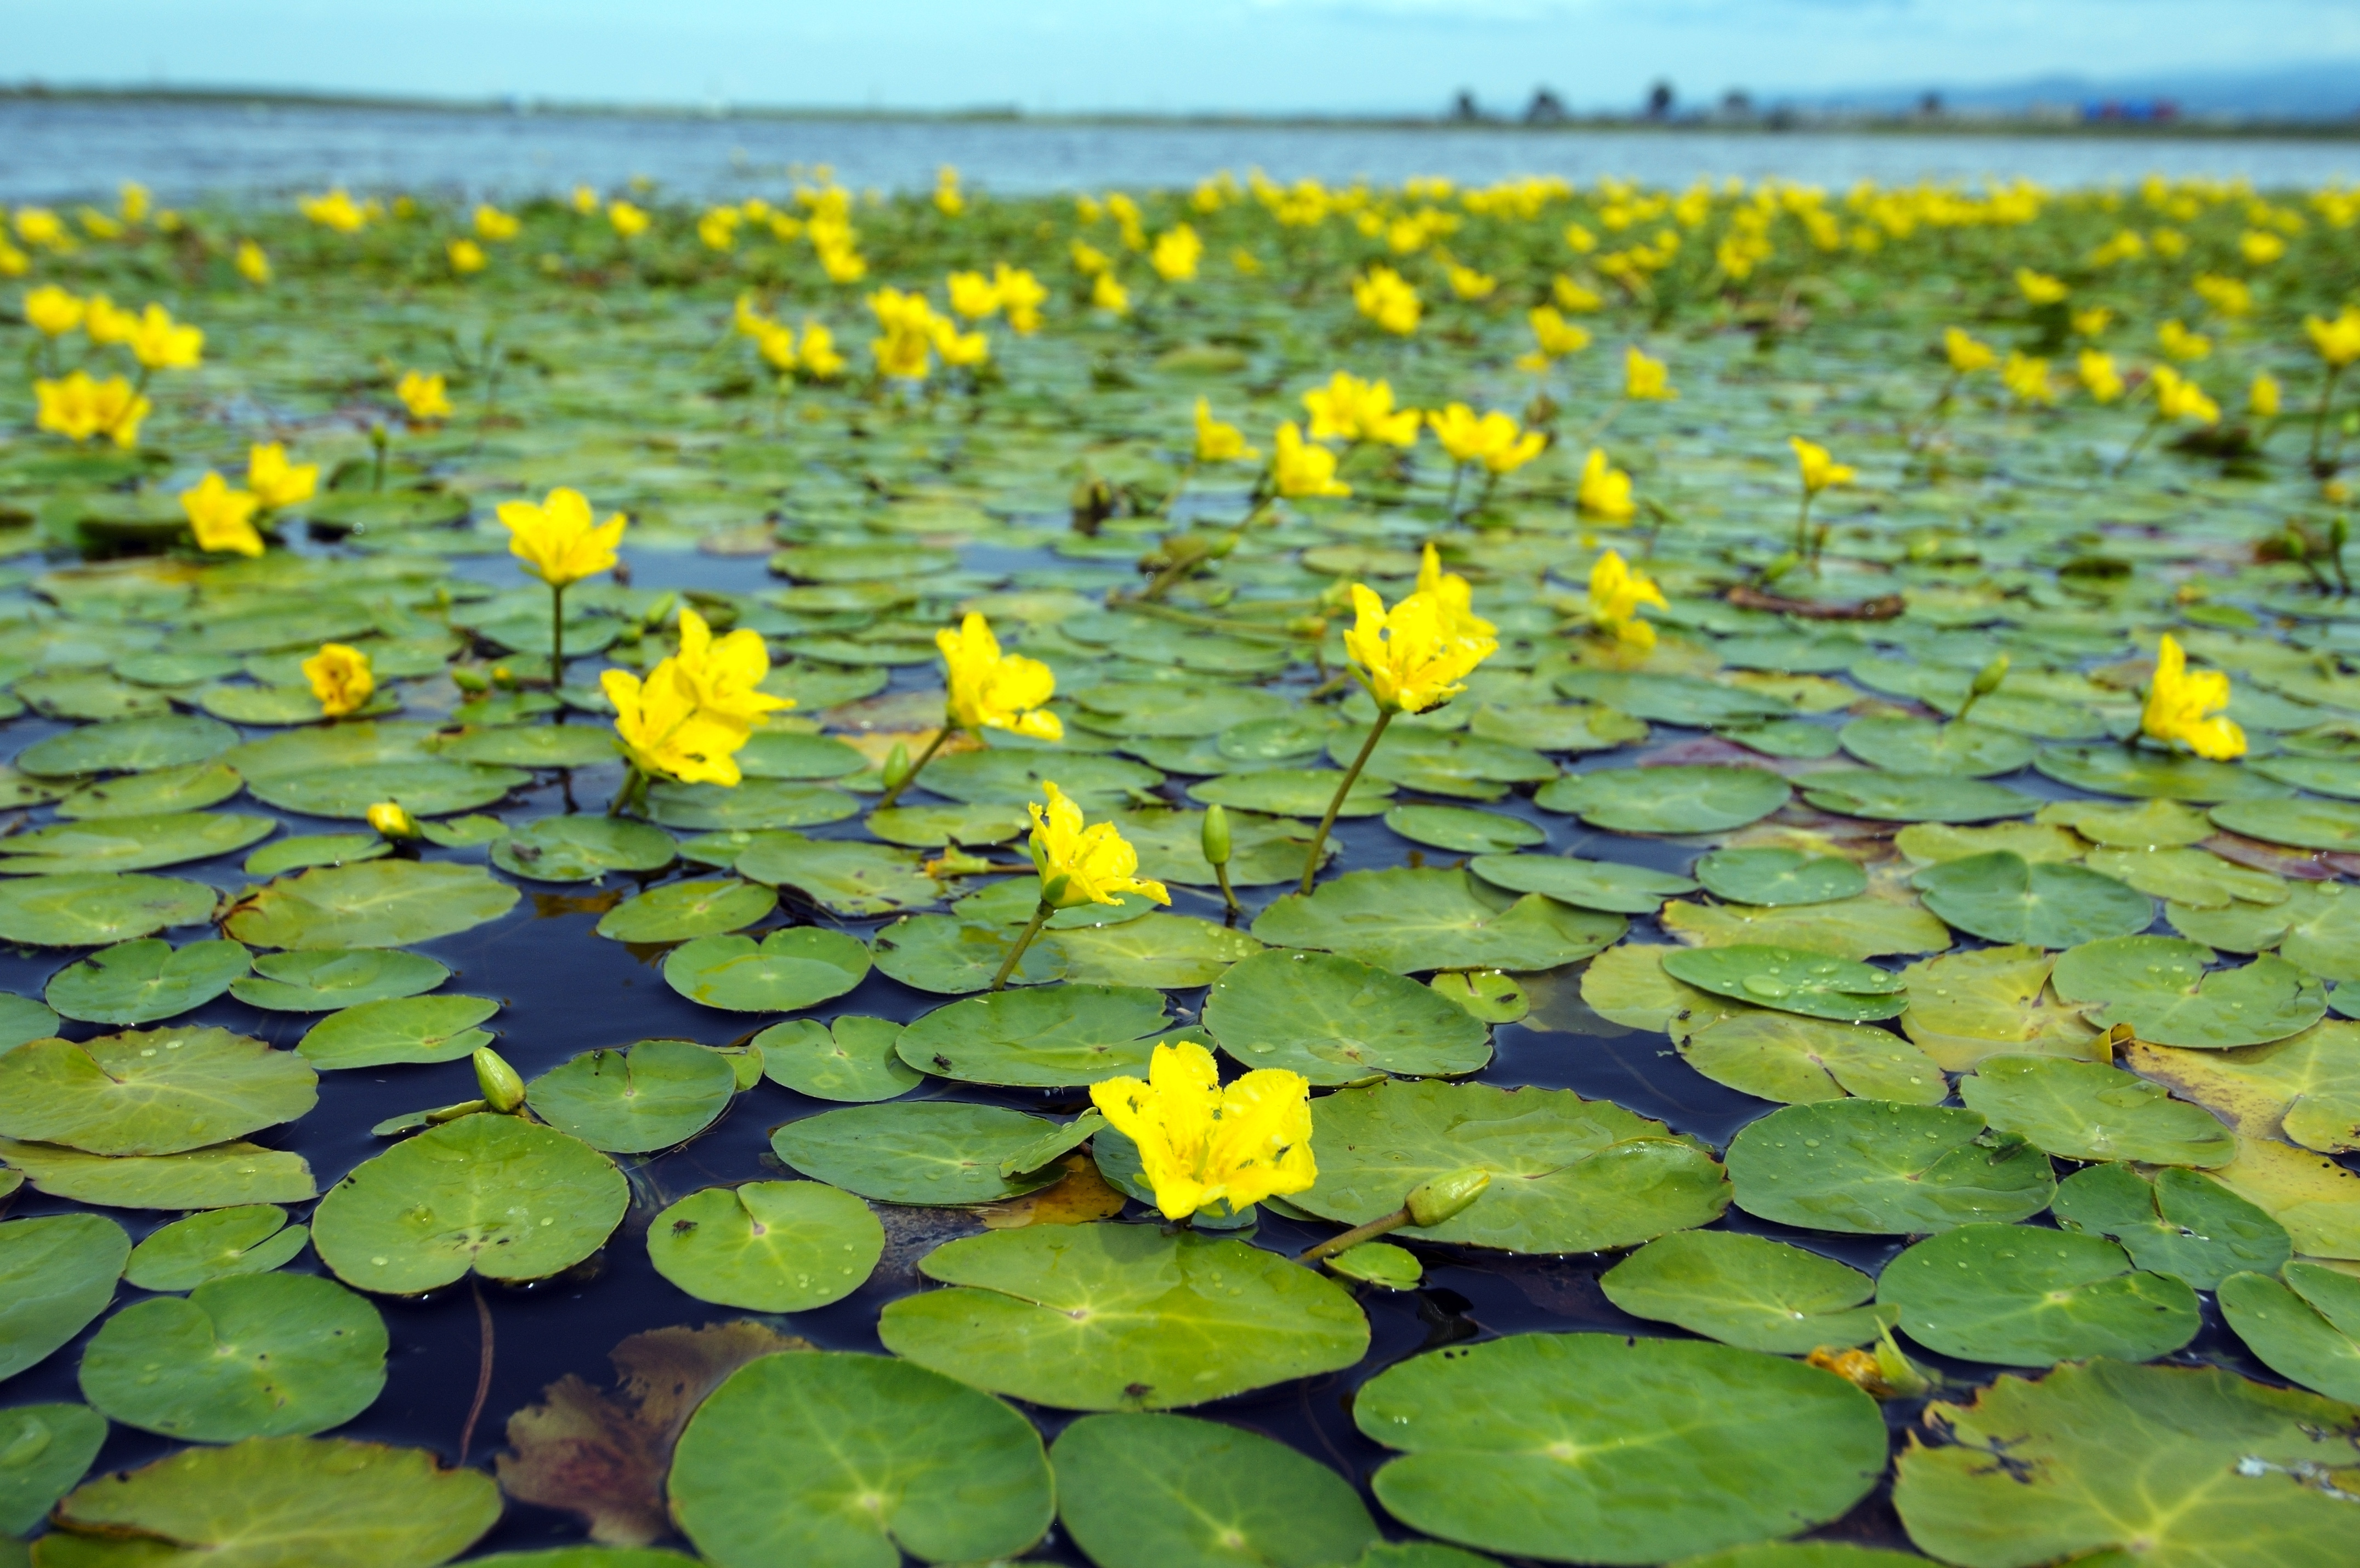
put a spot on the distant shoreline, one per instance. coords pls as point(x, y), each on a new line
point(1794, 124)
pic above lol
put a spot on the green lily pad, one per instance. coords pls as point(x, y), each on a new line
point(680, 911)
point(1670, 698)
point(1790, 980)
point(842, 876)
point(2151, 824)
point(1174, 951)
point(1163, 1491)
point(1336, 1021)
point(139, 982)
point(781, 754)
point(335, 1503)
point(1608, 884)
point(1773, 879)
point(834, 1460)
point(89, 694)
point(2321, 775)
point(2303, 824)
point(2027, 1296)
point(44, 1449)
point(1875, 1168)
point(2305, 1089)
point(218, 1245)
point(1567, 1174)
point(1990, 1001)
point(1920, 745)
point(22, 1019)
point(2002, 896)
point(219, 1177)
point(1866, 927)
point(532, 745)
point(1053, 1036)
point(1779, 1056)
point(58, 1272)
point(794, 967)
point(754, 805)
point(1013, 777)
point(1101, 1317)
point(767, 1246)
point(1410, 921)
point(1171, 846)
point(1748, 1291)
point(127, 746)
point(255, 1355)
point(1914, 797)
point(130, 843)
point(2192, 878)
point(1292, 792)
point(2159, 985)
point(933, 827)
point(398, 1029)
point(652, 1095)
point(307, 850)
point(2301, 1328)
point(190, 787)
point(379, 903)
point(2183, 1223)
point(508, 1198)
point(1379, 1263)
point(430, 788)
point(933, 1152)
point(1670, 799)
point(582, 849)
point(2087, 1110)
point(951, 956)
point(1463, 830)
point(320, 980)
point(2151, 774)
point(2317, 928)
point(1555, 726)
point(150, 1091)
point(1606, 1449)
point(852, 1060)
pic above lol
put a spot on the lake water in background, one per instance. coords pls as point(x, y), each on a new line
point(52, 152)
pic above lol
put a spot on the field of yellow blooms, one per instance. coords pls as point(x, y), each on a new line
point(1390, 878)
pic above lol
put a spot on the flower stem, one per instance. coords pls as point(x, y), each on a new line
point(634, 784)
point(1351, 777)
point(2132, 451)
point(1803, 529)
point(910, 777)
point(1228, 898)
point(1041, 913)
point(557, 638)
point(1357, 1235)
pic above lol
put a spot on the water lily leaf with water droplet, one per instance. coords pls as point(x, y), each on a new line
point(2184, 1223)
point(680, 911)
point(1779, 1056)
point(842, 876)
point(2192, 878)
point(953, 954)
point(251, 1240)
point(798, 966)
point(2027, 1296)
point(1874, 1168)
point(22, 1019)
point(139, 982)
point(307, 850)
point(1626, 984)
point(935, 1152)
point(130, 843)
point(320, 980)
point(2302, 824)
point(190, 787)
point(2090, 1111)
point(2301, 1329)
point(1052, 1037)
point(1174, 951)
point(399, 1029)
point(768, 1247)
point(2151, 824)
point(1870, 926)
point(1463, 830)
point(1671, 800)
point(1336, 1019)
point(150, 1091)
point(2317, 928)
point(2003, 898)
point(379, 903)
point(1749, 1291)
point(852, 1058)
point(1605, 885)
point(1771, 878)
point(57, 1273)
point(44, 1449)
point(1790, 980)
point(651, 1095)
point(2158, 985)
point(582, 849)
point(128, 745)
point(1990, 1001)
point(1411, 921)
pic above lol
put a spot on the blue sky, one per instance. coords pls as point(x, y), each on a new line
point(1163, 55)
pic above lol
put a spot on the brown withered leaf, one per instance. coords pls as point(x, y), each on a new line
point(1081, 1197)
point(603, 1457)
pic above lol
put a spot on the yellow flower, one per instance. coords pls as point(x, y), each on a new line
point(77, 408)
point(52, 312)
point(1200, 1143)
point(776, 344)
point(160, 343)
point(1176, 253)
point(1083, 864)
point(585, 200)
point(626, 220)
point(2039, 288)
point(1384, 297)
point(1088, 260)
point(222, 518)
point(14, 263)
point(1605, 492)
point(1819, 469)
point(1966, 353)
point(466, 256)
point(665, 734)
point(717, 229)
point(2259, 248)
point(748, 319)
point(1020, 295)
point(2098, 373)
point(1554, 338)
point(957, 348)
point(1348, 408)
point(2178, 398)
point(1645, 379)
point(1493, 440)
point(1469, 284)
point(2263, 396)
point(2178, 343)
point(820, 360)
point(135, 201)
point(2185, 708)
point(1301, 468)
point(492, 225)
point(340, 677)
point(1218, 442)
point(1406, 656)
point(991, 690)
point(336, 211)
point(559, 541)
point(38, 225)
point(423, 395)
point(275, 481)
point(1615, 595)
point(1453, 595)
point(2337, 342)
point(1108, 294)
point(2232, 296)
point(725, 673)
point(1572, 296)
point(2091, 322)
point(107, 324)
point(2025, 377)
point(252, 263)
point(973, 295)
point(391, 821)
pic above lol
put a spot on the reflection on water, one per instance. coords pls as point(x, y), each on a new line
point(57, 150)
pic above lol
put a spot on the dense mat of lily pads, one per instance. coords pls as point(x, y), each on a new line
point(1275, 873)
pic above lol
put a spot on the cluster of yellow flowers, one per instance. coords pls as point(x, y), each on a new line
point(78, 406)
point(222, 518)
point(910, 334)
point(696, 708)
point(814, 355)
point(1385, 296)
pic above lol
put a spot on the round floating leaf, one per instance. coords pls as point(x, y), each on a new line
point(2026, 1295)
point(1174, 951)
point(2317, 928)
point(933, 827)
point(44, 1449)
point(1171, 845)
point(1336, 1020)
point(403, 1029)
point(1462, 830)
point(1867, 927)
point(252, 1240)
point(57, 1273)
point(1778, 1056)
point(783, 754)
point(1012, 776)
point(916, 1151)
point(139, 982)
point(1670, 698)
point(797, 966)
point(93, 908)
point(2319, 775)
point(22, 1019)
point(379, 903)
point(582, 849)
point(2305, 1090)
point(2086, 1110)
point(323, 979)
point(131, 843)
point(842, 876)
point(2002, 896)
point(2151, 824)
point(2151, 774)
point(1292, 792)
point(653, 1095)
point(1567, 1174)
point(678, 912)
point(768, 1247)
point(754, 805)
point(951, 955)
point(508, 1198)
point(1604, 1448)
point(1379, 1263)
point(1748, 1291)
point(652, 1557)
point(532, 745)
point(851, 1059)
point(1914, 796)
point(1053, 1036)
point(833, 1460)
point(258, 1355)
point(1672, 800)
point(1921, 745)
point(150, 1091)
point(1103, 1317)
point(1411, 921)
point(190, 787)
point(1989, 1001)
point(128, 745)
point(1874, 1168)
point(1160, 1491)
point(2304, 825)
point(2190, 878)
point(2184, 1225)
point(217, 1178)
point(2158, 985)
point(2304, 1334)
point(1814, 984)
point(326, 1502)
point(1771, 878)
point(308, 850)
point(431, 789)
point(1607, 884)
